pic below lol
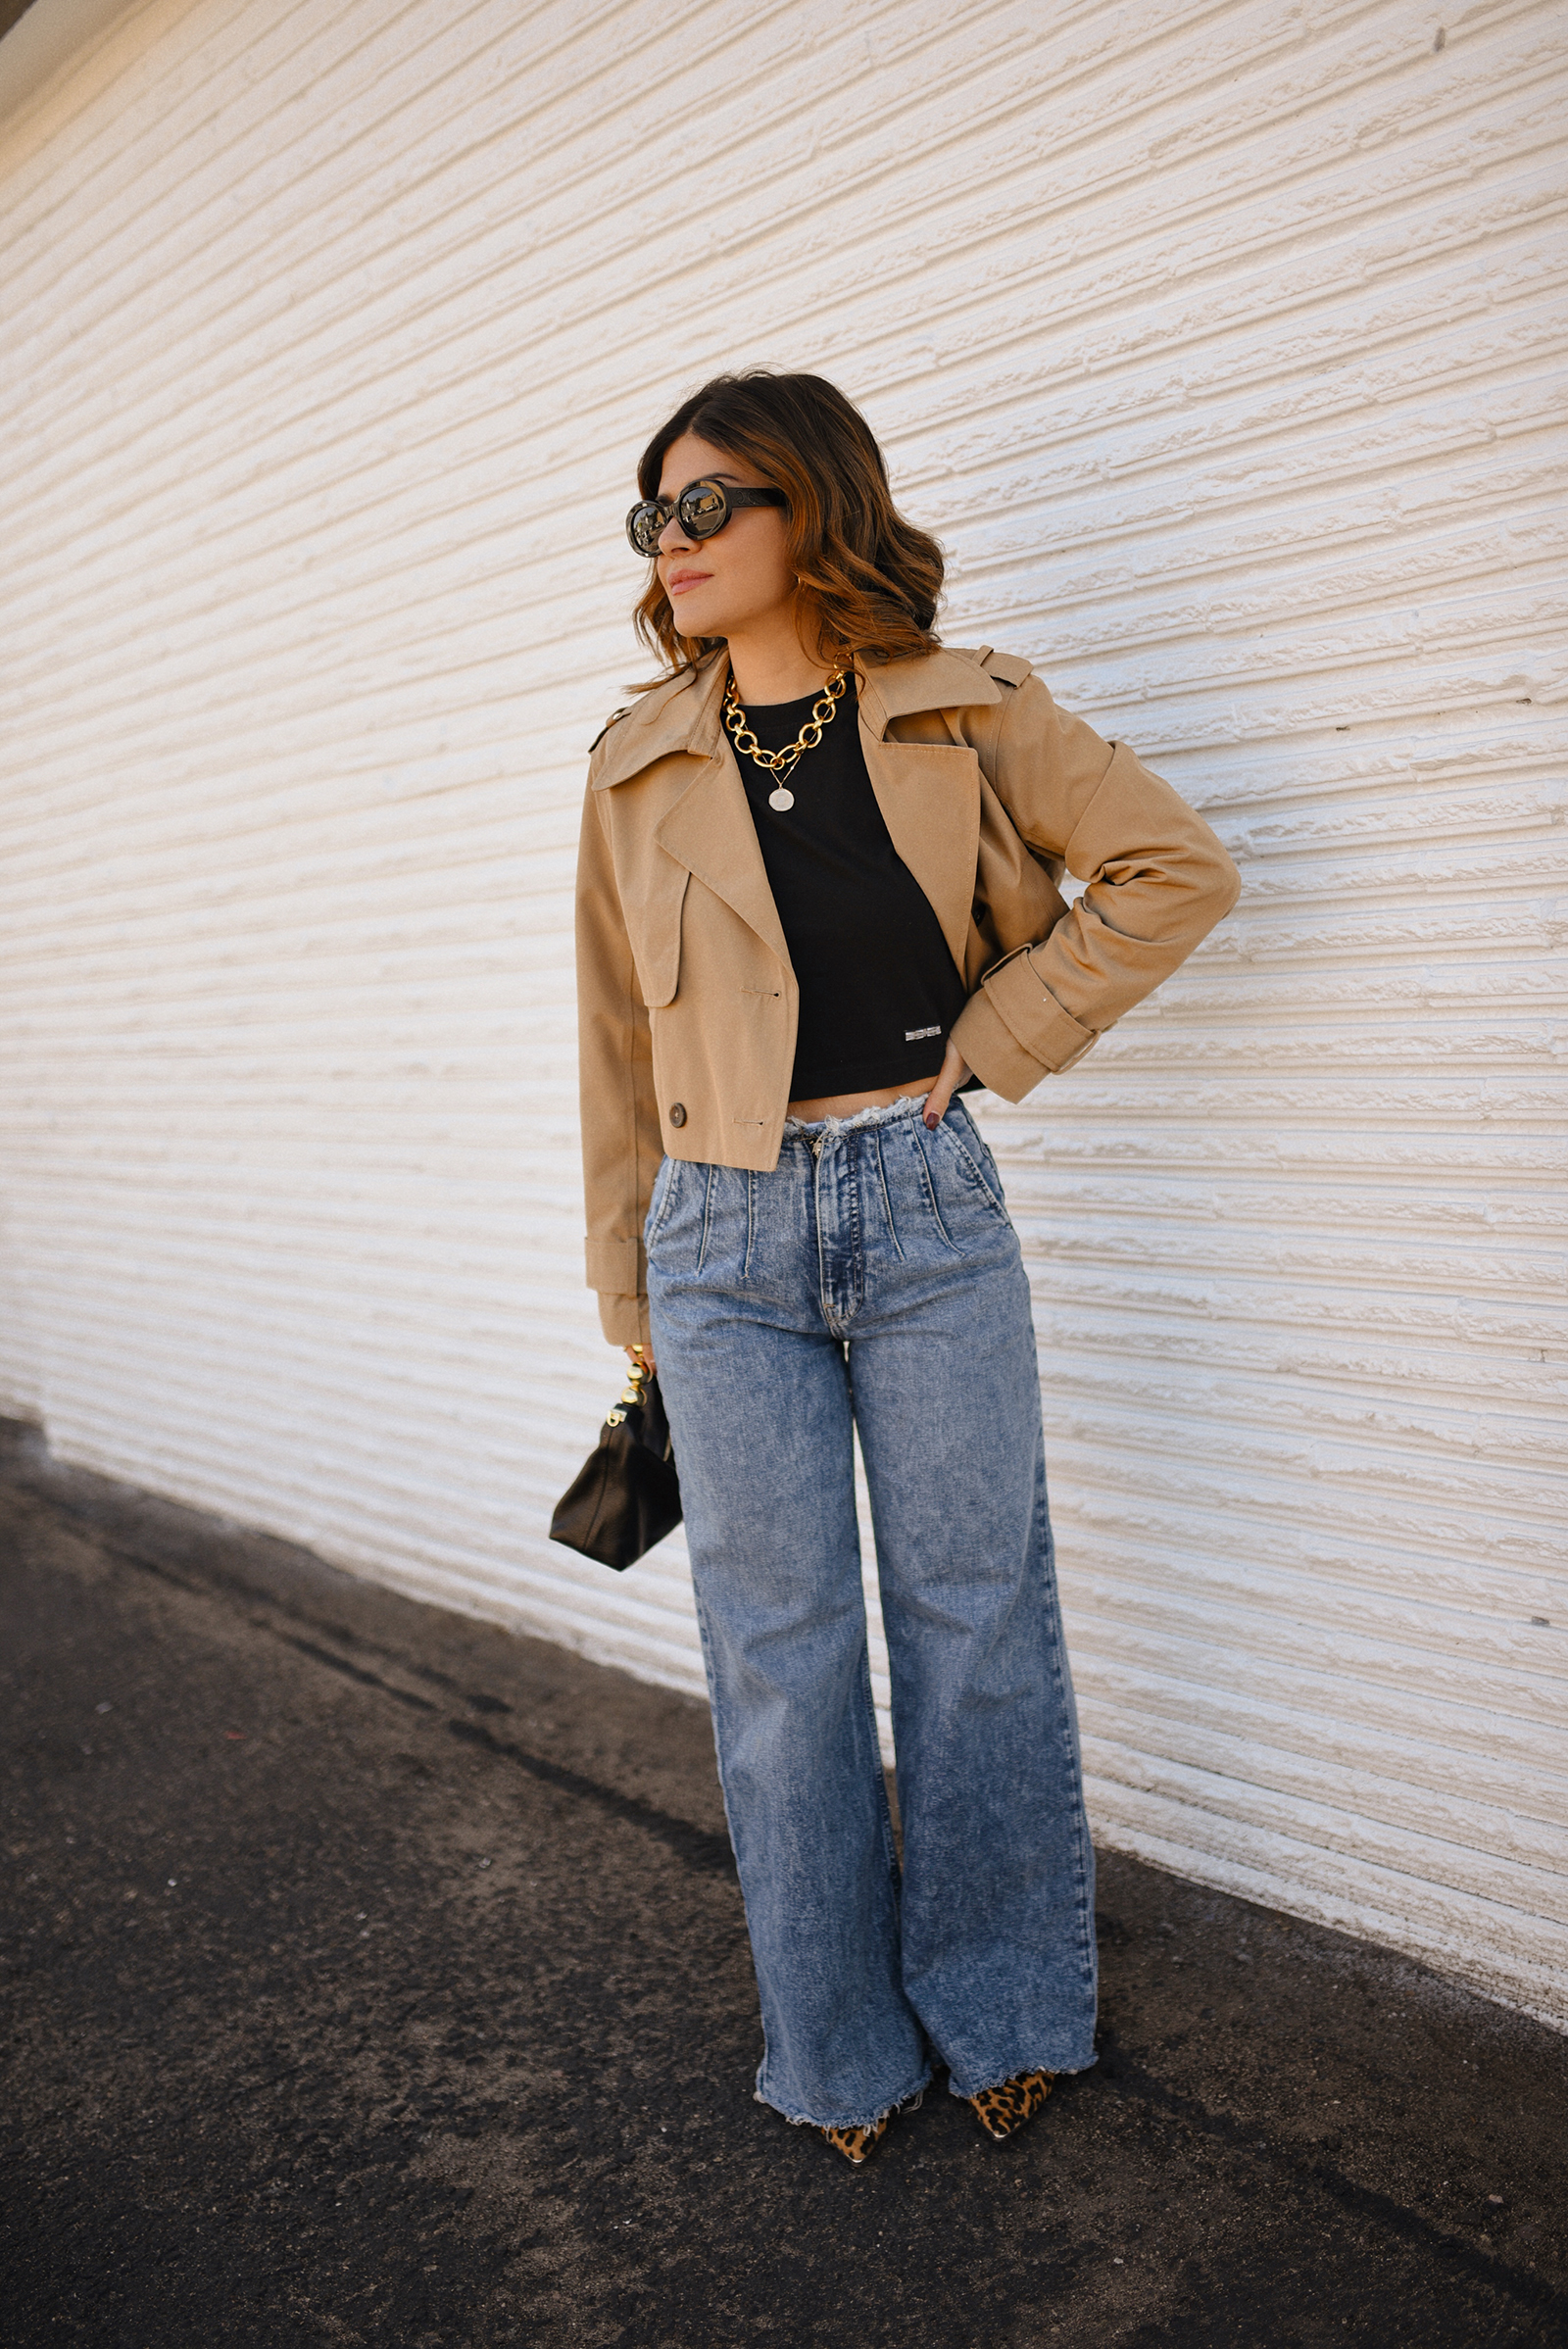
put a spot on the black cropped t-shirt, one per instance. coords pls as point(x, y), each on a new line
point(879, 990)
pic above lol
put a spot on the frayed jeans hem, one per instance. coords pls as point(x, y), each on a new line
point(1053, 2068)
point(910, 2096)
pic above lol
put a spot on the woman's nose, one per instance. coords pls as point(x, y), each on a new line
point(672, 539)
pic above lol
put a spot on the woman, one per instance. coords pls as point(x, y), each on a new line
point(817, 901)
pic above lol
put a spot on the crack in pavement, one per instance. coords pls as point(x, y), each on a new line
point(698, 1846)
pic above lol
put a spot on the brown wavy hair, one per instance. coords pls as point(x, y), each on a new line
point(869, 580)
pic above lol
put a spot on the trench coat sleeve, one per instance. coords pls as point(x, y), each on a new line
point(621, 1145)
point(1157, 881)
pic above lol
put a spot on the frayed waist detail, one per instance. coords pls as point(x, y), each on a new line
point(827, 1129)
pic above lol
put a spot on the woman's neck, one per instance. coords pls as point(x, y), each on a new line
point(774, 665)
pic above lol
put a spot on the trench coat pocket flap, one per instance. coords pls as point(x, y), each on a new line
point(617, 1267)
point(1026, 1006)
point(652, 925)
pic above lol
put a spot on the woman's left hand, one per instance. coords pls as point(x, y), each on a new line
point(955, 1070)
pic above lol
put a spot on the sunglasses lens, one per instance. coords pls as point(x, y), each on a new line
point(704, 509)
point(645, 522)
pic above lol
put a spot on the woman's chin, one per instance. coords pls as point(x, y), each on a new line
point(694, 615)
point(708, 615)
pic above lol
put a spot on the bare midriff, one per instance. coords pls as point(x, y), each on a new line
point(848, 1105)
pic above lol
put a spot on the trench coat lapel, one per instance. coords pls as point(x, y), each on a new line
point(709, 828)
point(929, 793)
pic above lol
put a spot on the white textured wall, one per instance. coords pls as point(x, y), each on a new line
point(1222, 346)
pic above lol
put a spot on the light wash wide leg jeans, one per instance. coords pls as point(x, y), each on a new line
point(874, 1282)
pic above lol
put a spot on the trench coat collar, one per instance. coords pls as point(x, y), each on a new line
point(939, 680)
point(933, 821)
point(687, 713)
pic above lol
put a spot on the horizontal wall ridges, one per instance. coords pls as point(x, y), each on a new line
point(1382, 1751)
point(1454, 584)
point(1216, 1651)
point(996, 63)
point(1452, 1909)
point(1379, 1154)
point(1495, 1875)
point(1458, 1936)
point(1156, 1402)
point(1236, 1295)
point(1159, 1519)
point(1351, 793)
point(403, 523)
point(378, 1172)
point(1370, 1493)
point(385, 722)
point(1531, 1379)
point(1136, 1562)
point(644, 193)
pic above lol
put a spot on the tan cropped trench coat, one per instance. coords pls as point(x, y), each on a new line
point(687, 1002)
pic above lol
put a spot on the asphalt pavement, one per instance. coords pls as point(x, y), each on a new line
point(374, 1976)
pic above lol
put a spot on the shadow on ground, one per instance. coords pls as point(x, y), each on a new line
point(372, 1976)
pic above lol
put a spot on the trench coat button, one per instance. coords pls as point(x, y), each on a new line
point(678, 1113)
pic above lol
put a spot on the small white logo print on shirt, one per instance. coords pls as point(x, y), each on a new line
point(917, 1034)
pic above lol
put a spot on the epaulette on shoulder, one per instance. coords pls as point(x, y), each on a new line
point(613, 719)
point(1008, 668)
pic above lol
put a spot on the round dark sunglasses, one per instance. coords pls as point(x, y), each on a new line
point(701, 510)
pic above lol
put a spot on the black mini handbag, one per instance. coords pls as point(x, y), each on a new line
point(627, 1494)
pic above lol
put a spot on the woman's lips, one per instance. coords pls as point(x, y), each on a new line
point(679, 581)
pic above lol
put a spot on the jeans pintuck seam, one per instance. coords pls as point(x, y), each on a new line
point(887, 1195)
point(917, 1135)
point(750, 1222)
point(708, 1215)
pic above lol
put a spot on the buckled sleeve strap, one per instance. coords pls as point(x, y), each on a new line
point(1013, 1032)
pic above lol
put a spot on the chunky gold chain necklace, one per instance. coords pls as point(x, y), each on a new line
point(780, 764)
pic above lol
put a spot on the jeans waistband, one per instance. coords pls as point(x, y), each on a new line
point(828, 1129)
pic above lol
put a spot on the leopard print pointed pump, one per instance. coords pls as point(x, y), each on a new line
point(855, 2143)
point(999, 2111)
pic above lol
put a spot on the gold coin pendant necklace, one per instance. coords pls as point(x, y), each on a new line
point(781, 764)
